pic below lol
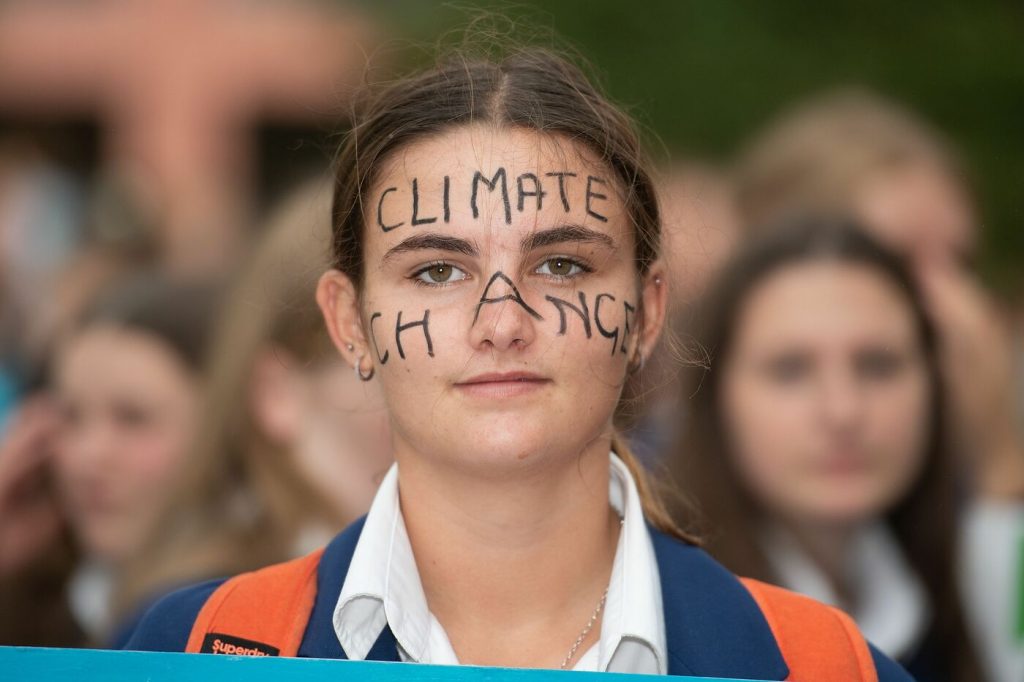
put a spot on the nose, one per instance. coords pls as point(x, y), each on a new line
point(841, 401)
point(502, 320)
point(88, 449)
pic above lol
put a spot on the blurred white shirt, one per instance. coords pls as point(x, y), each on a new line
point(892, 609)
point(992, 581)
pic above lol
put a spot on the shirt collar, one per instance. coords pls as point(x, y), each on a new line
point(90, 595)
point(383, 587)
point(633, 627)
point(891, 606)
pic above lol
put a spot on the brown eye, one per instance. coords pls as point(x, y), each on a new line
point(557, 266)
point(440, 273)
point(560, 267)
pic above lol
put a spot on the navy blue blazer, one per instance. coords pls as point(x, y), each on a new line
point(713, 626)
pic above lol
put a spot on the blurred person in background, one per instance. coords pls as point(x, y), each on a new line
point(853, 152)
point(36, 550)
point(818, 450)
point(700, 229)
point(291, 445)
point(98, 455)
point(41, 210)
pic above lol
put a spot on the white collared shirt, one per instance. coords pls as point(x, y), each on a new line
point(91, 598)
point(892, 608)
point(383, 587)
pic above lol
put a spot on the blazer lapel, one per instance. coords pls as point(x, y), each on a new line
point(713, 626)
point(319, 640)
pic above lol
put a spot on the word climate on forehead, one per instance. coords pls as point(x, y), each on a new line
point(413, 205)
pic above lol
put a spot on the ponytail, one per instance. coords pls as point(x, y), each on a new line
point(655, 511)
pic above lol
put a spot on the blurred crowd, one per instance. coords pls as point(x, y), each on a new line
point(837, 406)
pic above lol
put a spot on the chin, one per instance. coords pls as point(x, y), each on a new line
point(108, 539)
point(100, 544)
point(511, 443)
point(846, 508)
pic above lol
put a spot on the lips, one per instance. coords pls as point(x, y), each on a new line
point(502, 384)
point(848, 463)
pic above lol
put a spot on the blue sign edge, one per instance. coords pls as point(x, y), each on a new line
point(85, 665)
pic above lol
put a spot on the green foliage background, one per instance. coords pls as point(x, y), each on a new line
point(705, 74)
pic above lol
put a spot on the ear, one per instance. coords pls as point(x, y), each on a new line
point(339, 304)
point(274, 395)
point(654, 301)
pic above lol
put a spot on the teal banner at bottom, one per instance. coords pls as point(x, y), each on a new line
point(91, 665)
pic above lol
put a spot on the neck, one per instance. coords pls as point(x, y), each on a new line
point(513, 566)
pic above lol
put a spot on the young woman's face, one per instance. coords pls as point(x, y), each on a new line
point(825, 394)
point(128, 412)
point(501, 297)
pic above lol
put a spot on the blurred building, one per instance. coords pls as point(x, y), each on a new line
point(175, 89)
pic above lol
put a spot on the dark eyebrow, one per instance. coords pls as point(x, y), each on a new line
point(438, 242)
point(565, 233)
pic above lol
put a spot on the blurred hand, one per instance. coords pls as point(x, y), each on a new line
point(29, 519)
point(977, 359)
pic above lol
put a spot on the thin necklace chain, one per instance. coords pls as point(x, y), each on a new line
point(590, 623)
point(586, 630)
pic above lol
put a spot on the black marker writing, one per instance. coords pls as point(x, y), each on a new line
point(582, 310)
point(535, 192)
point(512, 295)
point(446, 194)
point(529, 192)
point(608, 334)
point(591, 194)
point(416, 220)
point(373, 338)
point(380, 211)
point(425, 323)
point(478, 178)
point(625, 333)
point(561, 186)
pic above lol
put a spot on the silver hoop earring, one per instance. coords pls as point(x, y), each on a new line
point(359, 370)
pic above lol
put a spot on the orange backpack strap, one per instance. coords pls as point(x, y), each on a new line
point(262, 613)
point(817, 641)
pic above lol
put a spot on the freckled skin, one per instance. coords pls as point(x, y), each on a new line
point(483, 322)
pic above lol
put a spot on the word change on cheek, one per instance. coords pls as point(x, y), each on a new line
point(528, 189)
point(589, 314)
point(582, 311)
point(401, 328)
point(511, 294)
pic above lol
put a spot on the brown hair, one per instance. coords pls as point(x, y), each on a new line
point(532, 88)
point(241, 503)
point(812, 157)
point(923, 521)
point(176, 312)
